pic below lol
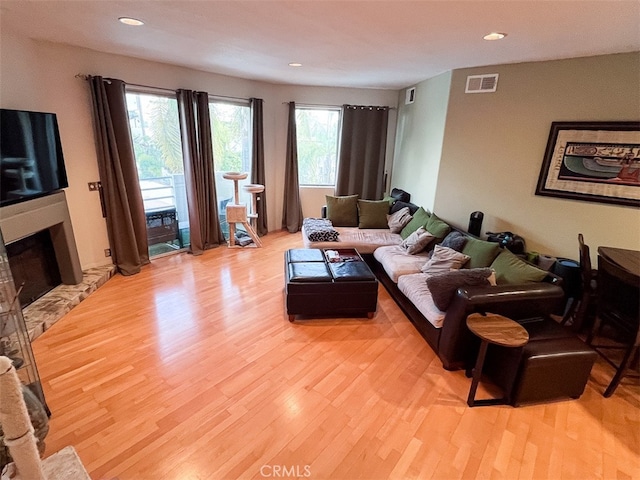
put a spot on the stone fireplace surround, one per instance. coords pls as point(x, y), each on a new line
point(45, 213)
point(51, 212)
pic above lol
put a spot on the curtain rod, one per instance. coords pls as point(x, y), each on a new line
point(337, 106)
point(160, 89)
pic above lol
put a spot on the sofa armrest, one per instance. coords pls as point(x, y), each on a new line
point(518, 302)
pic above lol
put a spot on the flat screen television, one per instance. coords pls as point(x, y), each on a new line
point(31, 159)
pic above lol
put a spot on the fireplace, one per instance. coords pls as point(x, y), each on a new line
point(34, 266)
point(47, 219)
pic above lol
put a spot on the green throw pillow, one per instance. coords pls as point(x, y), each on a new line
point(437, 227)
point(389, 199)
point(420, 219)
point(482, 253)
point(342, 211)
point(511, 269)
point(373, 213)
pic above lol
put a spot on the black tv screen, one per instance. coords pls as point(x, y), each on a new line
point(31, 160)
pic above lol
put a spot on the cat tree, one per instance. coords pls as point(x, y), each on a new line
point(237, 212)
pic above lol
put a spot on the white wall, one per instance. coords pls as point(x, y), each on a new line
point(419, 140)
point(494, 144)
point(41, 76)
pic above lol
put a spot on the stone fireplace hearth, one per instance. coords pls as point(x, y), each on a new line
point(50, 214)
point(48, 309)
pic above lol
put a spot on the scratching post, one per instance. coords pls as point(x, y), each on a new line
point(254, 189)
point(18, 431)
point(237, 213)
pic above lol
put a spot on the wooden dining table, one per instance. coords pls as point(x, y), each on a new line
point(624, 258)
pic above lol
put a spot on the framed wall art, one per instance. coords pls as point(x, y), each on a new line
point(592, 161)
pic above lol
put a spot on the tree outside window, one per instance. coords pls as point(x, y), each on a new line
point(317, 140)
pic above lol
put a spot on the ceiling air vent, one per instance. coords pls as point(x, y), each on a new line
point(482, 83)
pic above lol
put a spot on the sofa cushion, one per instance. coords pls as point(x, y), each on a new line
point(455, 240)
point(342, 211)
point(511, 269)
point(372, 213)
point(396, 262)
point(398, 220)
point(444, 259)
point(482, 253)
point(417, 241)
point(420, 219)
point(437, 227)
point(417, 291)
point(443, 286)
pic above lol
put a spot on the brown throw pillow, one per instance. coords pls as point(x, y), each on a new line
point(443, 286)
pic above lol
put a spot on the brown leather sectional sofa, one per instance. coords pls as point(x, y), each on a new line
point(453, 342)
point(554, 364)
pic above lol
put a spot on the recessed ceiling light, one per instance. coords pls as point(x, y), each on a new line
point(295, 64)
point(131, 21)
point(495, 36)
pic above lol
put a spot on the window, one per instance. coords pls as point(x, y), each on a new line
point(317, 131)
point(231, 136)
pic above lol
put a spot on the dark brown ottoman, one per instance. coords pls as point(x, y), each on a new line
point(553, 369)
point(555, 364)
point(316, 287)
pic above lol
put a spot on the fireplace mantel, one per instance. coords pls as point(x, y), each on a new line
point(51, 212)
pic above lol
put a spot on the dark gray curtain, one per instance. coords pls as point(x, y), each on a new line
point(363, 143)
point(121, 195)
point(197, 150)
point(292, 208)
point(257, 163)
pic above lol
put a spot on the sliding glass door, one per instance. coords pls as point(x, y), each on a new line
point(155, 130)
point(231, 132)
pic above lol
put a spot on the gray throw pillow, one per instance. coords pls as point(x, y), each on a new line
point(455, 240)
point(443, 286)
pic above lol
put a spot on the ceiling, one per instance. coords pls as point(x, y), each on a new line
point(365, 44)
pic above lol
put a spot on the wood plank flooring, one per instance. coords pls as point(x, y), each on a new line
point(191, 370)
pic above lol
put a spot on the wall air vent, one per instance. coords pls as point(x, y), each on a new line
point(410, 95)
point(482, 83)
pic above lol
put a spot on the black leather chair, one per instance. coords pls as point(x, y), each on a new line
point(581, 313)
point(619, 311)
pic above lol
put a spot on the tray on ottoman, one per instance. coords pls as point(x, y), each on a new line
point(316, 286)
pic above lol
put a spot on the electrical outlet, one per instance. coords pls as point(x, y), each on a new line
point(107, 252)
point(94, 186)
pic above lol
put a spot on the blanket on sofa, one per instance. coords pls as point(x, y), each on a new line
point(319, 230)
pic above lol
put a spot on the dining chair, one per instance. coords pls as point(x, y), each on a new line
point(584, 306)
point(618, 309)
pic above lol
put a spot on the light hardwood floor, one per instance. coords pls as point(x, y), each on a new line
point(191, 370)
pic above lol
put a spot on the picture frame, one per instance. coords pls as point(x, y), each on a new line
point(592, 161)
